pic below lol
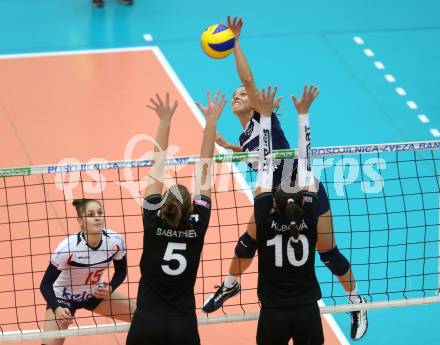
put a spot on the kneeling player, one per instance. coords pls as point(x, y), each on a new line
point(74, 278)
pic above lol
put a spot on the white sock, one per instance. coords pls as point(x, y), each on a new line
point(353, 296)
point(230, 281)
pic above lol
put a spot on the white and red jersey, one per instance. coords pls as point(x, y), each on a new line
point(83, 266)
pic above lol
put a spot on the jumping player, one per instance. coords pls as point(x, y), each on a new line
point(245, 107)
point(286, 237)
point(174, 232)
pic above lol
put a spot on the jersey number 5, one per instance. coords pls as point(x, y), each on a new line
point(277, 241)
point(170, 254)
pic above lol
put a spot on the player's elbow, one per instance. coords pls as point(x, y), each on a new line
point(247, 80)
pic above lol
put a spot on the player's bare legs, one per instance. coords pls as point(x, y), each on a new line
point(52, 324)
point(341, 268)
point(329, 253)
point(117, 306)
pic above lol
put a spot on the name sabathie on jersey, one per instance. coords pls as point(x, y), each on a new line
point(191, 233)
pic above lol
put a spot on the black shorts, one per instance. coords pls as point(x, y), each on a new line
point(150, 328)
point(302, 324)
point(73, 306)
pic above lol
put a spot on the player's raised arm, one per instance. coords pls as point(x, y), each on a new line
point(266, 102)
point(243, 68)
point(165, 112)
point(305, 179)
point(212, 113)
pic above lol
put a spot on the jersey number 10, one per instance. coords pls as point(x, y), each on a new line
point(277, 241)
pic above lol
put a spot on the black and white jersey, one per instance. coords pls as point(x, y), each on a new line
point(249, 139)
point(250, 142)
point(82, 266)
point(286, 278)
point(170, 258)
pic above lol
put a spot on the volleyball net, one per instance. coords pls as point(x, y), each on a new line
point(384, 200)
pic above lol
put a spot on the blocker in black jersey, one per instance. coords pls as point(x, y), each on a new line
point(165, 304)
point(286, 278)
point(287, 285)
point(170, 259)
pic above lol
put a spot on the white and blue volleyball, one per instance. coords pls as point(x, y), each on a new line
point(217, 41)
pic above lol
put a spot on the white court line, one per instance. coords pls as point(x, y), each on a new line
point(358, 40)
point(334, 326)
point(368, 52)
point(148, 37)
point(196, 111)
point(379, 65)
point(435, 132)
point(400, 91)
point(423, 118)
point(390, 78)
point(75, 52)
point(412, 105)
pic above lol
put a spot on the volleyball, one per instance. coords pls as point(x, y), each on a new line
point(217, 41)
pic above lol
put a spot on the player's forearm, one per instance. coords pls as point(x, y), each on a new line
point(46, 286)
point(120, 273)
point(162, 136)
point(243, 68)
point(305, 175)
point(207, 149)
point(206, 153)
point(234, 148)
point(265, 171)
point(160, 149)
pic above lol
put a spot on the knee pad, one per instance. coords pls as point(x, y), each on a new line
point(246, 247)
point(335, 261)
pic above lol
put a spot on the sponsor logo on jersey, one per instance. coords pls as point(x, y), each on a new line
point(63, 302)
point(79, 297)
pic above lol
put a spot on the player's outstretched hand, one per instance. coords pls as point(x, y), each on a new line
point(214, 108)
point(267, 102)
point(235, 25)
point(163, 109)
point(303, 104)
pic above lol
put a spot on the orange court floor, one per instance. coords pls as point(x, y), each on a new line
point(89, 106)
